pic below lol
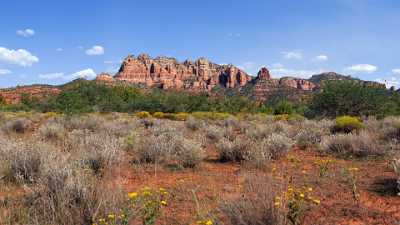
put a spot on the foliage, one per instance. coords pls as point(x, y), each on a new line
point(353, 98)
point(347, 124)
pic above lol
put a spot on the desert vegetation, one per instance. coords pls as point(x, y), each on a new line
point(197, 168)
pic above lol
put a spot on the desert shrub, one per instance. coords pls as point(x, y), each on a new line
point(194, 124)
point(255, 206)
point(259, 132)
point(213, 133)
point(95, 151)
point(353, 145)
point(52, 131)
point(67, 196)
point(92, 123)
point(283, 107)
point(142, 114)
point(23, 161)
point(19, 125)
point(307, 138)
point(235, 150)
point(120, 127)
point(396, 166)
point(390, 128)
point(159, 115)
point(274, 146)
point(210, 115)
point(347, 124)
point(168, 146)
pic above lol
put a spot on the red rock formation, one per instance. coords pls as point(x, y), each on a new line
point(13, 95)
point(104, 77)
point(264, 74)
point(168, 73)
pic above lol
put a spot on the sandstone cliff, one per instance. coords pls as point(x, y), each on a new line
point(168, 73)
point(14, 95)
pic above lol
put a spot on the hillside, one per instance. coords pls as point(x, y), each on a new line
point(197, 76)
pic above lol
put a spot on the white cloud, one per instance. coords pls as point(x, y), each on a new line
point(86, 74)
point(362, 68)
point(396, 71)
point(59, 49)
point(320, 58)
point(292, 55)
point(19, 57)
point(113, 62)
point(95, 50)
point(4, 71)
point(26, 33)
point(51, 76)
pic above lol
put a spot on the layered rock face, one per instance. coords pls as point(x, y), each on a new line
point(168, 73)
point(14, 95)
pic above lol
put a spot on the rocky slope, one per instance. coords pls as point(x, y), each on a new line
point(198, 76)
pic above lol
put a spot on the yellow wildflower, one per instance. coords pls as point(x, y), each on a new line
point(133, 195)
point(209, 222)
point(301, 195)
point(111, 216)
point(102, 220)
point(310, 189)
point(163, 202)
point(316, 201)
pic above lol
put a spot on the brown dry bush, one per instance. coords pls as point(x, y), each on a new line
point(52, 131)
point(23, 162)
point(236, 150)
point(167, 146)
point(359, 145)
point(194, 124)
point(18, 125)
point(255, 206)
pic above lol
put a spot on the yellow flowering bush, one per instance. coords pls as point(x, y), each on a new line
point(143, 114)
point(146, 204)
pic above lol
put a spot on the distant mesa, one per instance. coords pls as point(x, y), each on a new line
point(197, 76)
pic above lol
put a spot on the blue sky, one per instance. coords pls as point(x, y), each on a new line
point(56, 41)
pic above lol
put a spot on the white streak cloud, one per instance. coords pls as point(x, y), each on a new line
point(19, 57)
point(362, 68)
point(396, 71)
point(292, 55)
point(320, 58)
point(26, 33)
point(5, 71)
point(95, 50)
point(51, 76)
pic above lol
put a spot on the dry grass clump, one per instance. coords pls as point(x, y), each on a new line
point(255, 206)
point(167, 146)
point(120, 127)
point(18, 125)
point(22, 162)
point(260, 132)
point(275, 146)
point(194, 124)
point(95, 151)
point(64, 195)
point(52, 131)
point(353, 145)
point(236, 150)
point(214, 133)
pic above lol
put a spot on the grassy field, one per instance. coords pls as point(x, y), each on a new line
point(201, 168)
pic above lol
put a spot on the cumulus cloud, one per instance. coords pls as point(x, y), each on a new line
point(19, 57)
point(51, 76)
point(320, 58)
point(26, 33)
point(247, 66)
point(396, 71)
point(95, 50)
point(362, 68)
point(292, 55)
point(4, 71)
point(86, 74)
